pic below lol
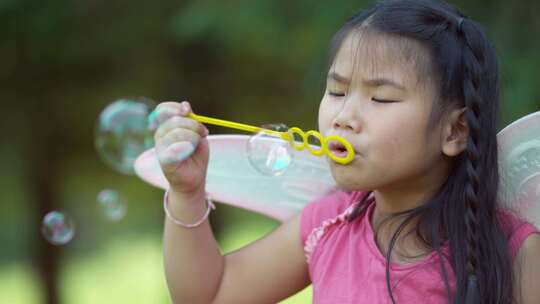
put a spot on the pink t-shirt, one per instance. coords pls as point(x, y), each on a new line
point(346, 266)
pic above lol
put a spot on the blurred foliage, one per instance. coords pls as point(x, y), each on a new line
point(252, 61)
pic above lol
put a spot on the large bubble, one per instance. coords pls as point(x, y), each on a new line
point(268, 154)
point(122, 133)
point(57, 228)
point(112, 205)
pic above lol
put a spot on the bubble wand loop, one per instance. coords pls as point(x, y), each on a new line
point(288, 136)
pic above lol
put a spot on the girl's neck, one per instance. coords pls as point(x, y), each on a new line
point(400, 197)
point(408, 247)
point(410, 193)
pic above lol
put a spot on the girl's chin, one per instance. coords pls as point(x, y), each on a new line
point(353, 185)
point(349, 166)
point(349, 178)
point(348, 187)
point(342, 177)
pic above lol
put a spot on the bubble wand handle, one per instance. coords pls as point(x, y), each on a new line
point(237, 126)
point(288, 136)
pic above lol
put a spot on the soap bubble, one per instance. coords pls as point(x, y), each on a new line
point(57, 228)
point(112, 204)
point(122, 133)
point(268, 154)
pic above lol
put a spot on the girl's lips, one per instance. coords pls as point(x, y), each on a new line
point(335, 146)
point(339, 150)
point(340, 153)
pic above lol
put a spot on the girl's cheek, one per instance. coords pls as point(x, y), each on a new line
point(325, 121)
point(326, 115)
point(323, 116)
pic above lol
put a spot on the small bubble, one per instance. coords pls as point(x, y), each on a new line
point(112, 204)
point(269, 154)
point(57, 228)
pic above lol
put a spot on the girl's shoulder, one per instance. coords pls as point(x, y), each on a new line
point(325, 208)
point(516, 228)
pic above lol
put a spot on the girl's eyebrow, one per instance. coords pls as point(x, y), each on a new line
point(375, 82)
point(338, 78)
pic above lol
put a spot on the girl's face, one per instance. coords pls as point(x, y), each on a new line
point(375, 100)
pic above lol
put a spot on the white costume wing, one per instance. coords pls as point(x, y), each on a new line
point(519, 167)
point(232, 180)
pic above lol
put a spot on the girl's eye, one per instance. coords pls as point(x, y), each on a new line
point(335, 94)
point(383, 100)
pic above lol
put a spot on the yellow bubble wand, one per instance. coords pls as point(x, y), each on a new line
point(288, 136)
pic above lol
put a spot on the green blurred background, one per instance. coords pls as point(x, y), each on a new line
point(258, 61)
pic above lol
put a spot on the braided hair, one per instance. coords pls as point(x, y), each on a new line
point(463, 211)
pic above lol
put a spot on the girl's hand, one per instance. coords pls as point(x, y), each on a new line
point(181, 147)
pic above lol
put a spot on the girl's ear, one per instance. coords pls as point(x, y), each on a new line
point(455, 133)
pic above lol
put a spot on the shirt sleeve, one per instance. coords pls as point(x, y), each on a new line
point(321, 209)
point(519, 230)
point(519, 236)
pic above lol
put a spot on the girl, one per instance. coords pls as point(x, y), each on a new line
point(413, 85)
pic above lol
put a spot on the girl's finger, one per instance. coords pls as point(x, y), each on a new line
point(161, 114)
point(185, 107)
point(177, 145)
point(177, 135)
point(176, 152)
point(181, 122)
point(166, 110)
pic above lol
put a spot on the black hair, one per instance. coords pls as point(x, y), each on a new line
point(463, 212)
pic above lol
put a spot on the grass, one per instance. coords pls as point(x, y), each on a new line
point(128, 269)
point(19, 284)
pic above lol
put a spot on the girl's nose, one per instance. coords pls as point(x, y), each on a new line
point(347, 118)
point(350, 126)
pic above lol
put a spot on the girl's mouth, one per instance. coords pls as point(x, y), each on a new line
point(338, 149)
